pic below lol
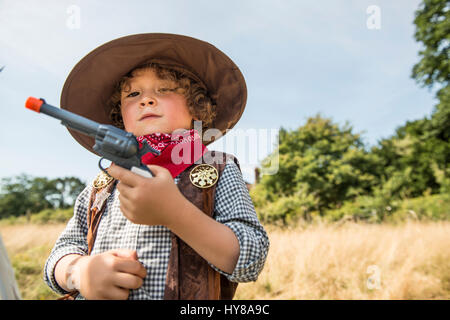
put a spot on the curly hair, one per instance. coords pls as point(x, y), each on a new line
point(201, 106)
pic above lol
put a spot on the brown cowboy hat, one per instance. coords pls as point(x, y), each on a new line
point(91, 82)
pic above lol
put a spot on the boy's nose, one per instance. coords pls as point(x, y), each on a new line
point(148, 101)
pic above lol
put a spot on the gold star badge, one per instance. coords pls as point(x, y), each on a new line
point(102, 180)
point(204, 176)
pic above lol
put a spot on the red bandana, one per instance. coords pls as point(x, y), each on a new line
point(178, 151)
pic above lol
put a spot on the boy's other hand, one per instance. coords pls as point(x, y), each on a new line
point(109, 275)
point(149, 201)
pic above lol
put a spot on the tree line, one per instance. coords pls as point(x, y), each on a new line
point(24, 194)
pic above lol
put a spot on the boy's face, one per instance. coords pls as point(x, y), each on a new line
point(146, 95)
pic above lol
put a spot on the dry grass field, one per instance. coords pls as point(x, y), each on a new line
point(356, 261)
point(349, 261)
point(28, 247)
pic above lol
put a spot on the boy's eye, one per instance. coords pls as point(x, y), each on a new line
point(163, 90)
point(132, 93)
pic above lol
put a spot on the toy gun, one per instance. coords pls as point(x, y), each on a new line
point(111, 143)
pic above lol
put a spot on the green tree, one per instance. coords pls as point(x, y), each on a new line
point(15, 198)
point(411, 153)
point(422, 146)
point(320, 166)
point(68, 188)
point(432, 21)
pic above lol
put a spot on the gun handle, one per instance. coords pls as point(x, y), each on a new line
point(145, 173)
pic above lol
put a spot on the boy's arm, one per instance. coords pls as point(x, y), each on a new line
point(234, 208)
point(236, 243)
point(61, 270)
point(214, 241)
point(72, 241)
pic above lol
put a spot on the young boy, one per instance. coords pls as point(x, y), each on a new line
point(152, 236)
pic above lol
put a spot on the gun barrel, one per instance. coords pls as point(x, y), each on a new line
point(67, 118)
point(111, 143)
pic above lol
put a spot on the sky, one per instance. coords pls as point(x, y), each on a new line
point(341, 59)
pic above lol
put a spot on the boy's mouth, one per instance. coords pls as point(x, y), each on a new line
point(149, 116)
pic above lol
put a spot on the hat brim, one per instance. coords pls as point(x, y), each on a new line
point(91, 82)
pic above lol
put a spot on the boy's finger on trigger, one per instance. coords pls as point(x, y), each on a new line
point(117, 171)
point(126, 176)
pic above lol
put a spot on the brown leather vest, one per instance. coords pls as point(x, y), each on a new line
point(189, 276)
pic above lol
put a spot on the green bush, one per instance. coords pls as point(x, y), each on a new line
point(427, 208)
point(287, 209)
point(373, 209)
point(43, 217)
point(367, 208)
point(52, 216)
point(284, 209)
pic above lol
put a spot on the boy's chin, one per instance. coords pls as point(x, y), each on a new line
point(145, 131)
point(151, 131)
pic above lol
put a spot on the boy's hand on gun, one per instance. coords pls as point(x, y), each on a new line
point(149, 201)
point(108, 275)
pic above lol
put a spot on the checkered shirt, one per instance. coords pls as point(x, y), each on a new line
point(233, 207)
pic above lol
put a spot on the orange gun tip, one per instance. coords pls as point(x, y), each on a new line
point(34, 104)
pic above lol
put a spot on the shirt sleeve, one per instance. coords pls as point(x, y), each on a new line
point(71, 241)
point(234, 208)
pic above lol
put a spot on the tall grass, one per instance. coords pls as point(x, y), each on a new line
point(355, 261)
point(28, 247)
